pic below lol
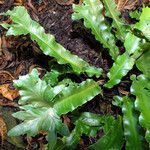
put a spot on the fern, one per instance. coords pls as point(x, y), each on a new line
point(113, 138)
point(133, 139)
point(135, 14)
point(112, 12)
point(143, 63)
point(23, 25)
point(141, 89)
point(43, 104)
point(91, 12)
point(134, 48)
point(144, 23)
point(88, 124)
point(120, 68)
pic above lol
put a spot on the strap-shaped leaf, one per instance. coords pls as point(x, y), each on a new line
point(23, 24)
point(91, 12)
point(113, 139)
point(120, 68)
point(133, 139)
point(132, 43)
point(76, 96)
point(87, 124)
point(143, 63)
point(34, 90)
point(141, 89)
point(144, 23)
point(112, 12)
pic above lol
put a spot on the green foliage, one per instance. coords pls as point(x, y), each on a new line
point(131, 132)
point(134, 48)
point(91, 12)
point(141, 89)
point(23, 25)
point(43, 104)
point(113, 138)
point(112, 12)
point(73, 97)
point(88, 124)
point(143, 63)
point(120, 68)
point(35, 91)
point(144, 23)
point(43, 101)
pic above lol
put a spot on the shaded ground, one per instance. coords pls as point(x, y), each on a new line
point(19, 55)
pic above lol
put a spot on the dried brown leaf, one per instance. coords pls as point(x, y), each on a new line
point(127, 4)
point(8, 93)
point(5, 76)
point(3, 130)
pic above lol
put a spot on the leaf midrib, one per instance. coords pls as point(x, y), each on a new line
point(61, 56)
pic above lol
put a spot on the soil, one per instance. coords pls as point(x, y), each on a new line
point(18, 55)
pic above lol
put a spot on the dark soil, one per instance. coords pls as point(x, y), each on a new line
point(19, 55)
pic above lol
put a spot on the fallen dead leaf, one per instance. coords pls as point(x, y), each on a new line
point(127, 4)
point(8, 93)
point(66, 120)
point(3, 130)
point(5, 76)
point(122, 91)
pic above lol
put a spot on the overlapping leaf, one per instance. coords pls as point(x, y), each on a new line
point(35, 120)
point(134, 48)
point(36, 91)
point(87, 124)
point(112, 12)
point(133, 139)
point(141, 89)
point(43, 104)
point(91, 12)
point(23, 25)
point(113, 139)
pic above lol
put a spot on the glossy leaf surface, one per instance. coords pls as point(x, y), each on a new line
point(144, 23)
point(130, 123)
point(88, 124)
point(91, 12)
point(120, 68)
point(143, 63)
point(113, 139)
point(23, 25)
point(36, 120)
point(76, 96)
point(141, 89)
point(36, 91)
point(112, 12)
